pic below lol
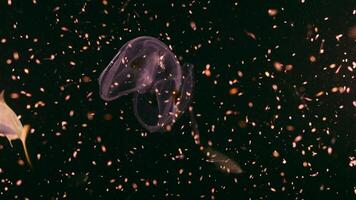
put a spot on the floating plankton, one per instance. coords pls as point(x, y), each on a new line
point(11, 127)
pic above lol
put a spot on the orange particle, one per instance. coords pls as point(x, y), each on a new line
point(14, 95)
point(233, 91)
point(134, 186)
point(334, 89)
point(207, 72)
point(16, 55)
point(275, 154)
point(352, 33)
point(193, 25)
point(278, 66)
point(40, 103)
point(64, 28)
point(168, 128)
point(251, 35)
point(301, 106)
point(19, 182)
point(312, 58)
point(103, 148)
point(67, 97)
point(242, 124)
point(330, 150)
point(21, 162)
point(86, 79)
point(72, 63)
point(319, 94)
point(272, 12)
point(90, 115)
point(289, 67)
point(290, 128)
point(298, 138)
point(108, 117)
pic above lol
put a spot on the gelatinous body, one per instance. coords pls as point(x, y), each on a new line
point(149, 70)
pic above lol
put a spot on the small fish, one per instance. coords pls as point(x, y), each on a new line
point(11, 127)
point(225, 163)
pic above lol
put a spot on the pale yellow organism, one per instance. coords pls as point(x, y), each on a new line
point(11, 127)
point(225, 163)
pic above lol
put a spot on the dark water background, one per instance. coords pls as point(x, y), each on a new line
point(58, 28)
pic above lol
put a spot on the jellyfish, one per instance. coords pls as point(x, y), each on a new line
point(161, 88)
point(11, 127)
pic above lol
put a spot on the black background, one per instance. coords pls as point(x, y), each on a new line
point(223, 29)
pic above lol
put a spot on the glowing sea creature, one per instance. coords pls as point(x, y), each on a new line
point(161, 88)
point(148, 69)
point(11, 127)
